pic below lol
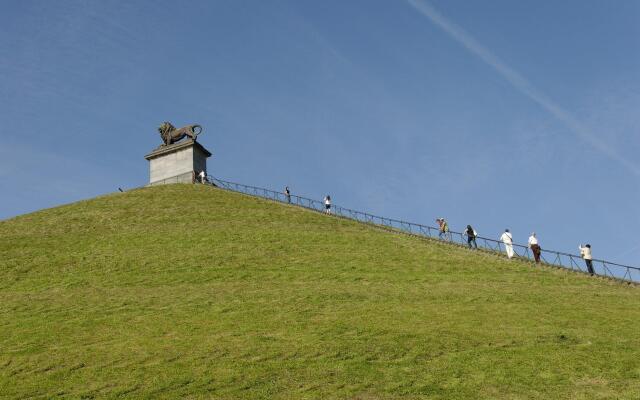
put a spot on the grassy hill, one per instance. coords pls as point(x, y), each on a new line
point(188, 291)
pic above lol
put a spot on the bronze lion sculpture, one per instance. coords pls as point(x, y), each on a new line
point(170, 134)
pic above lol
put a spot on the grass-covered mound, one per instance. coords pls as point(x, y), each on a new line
point(189, 291)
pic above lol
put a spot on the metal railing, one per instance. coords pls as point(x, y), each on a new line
point(573, 262)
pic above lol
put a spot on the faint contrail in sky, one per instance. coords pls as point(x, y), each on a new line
point(629, 251)
point(519, 82)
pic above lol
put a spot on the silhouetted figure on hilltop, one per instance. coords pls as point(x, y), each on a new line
point(287, 194)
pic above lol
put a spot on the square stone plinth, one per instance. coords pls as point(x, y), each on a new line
point(177, 162)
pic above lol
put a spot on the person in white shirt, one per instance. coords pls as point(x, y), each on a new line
point(534, 246)
point(202, 176)
point(507, 239)
point(327, 204)
point(585, 253)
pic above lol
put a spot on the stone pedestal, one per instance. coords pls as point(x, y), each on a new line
point(177, 163)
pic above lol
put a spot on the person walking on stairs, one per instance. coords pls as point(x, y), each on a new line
point(287, 194)
point(585, 253)
point(327, 204)
point(443, 231)
point(471, 236)
point(507, 239)
point(535, 247)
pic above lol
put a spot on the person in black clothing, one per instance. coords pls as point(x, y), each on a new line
point(471, 236)
point(287, 193)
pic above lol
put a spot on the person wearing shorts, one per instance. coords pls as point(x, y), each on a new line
point(327, 204)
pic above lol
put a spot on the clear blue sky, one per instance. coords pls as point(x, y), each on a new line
point(495, 113)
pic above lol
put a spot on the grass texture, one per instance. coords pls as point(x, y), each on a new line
point(185, 291)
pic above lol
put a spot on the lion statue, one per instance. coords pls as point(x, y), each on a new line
point(170, 134)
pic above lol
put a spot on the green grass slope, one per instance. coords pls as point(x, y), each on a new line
point(186, 291)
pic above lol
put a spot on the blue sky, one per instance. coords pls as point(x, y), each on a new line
point(496, 113)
